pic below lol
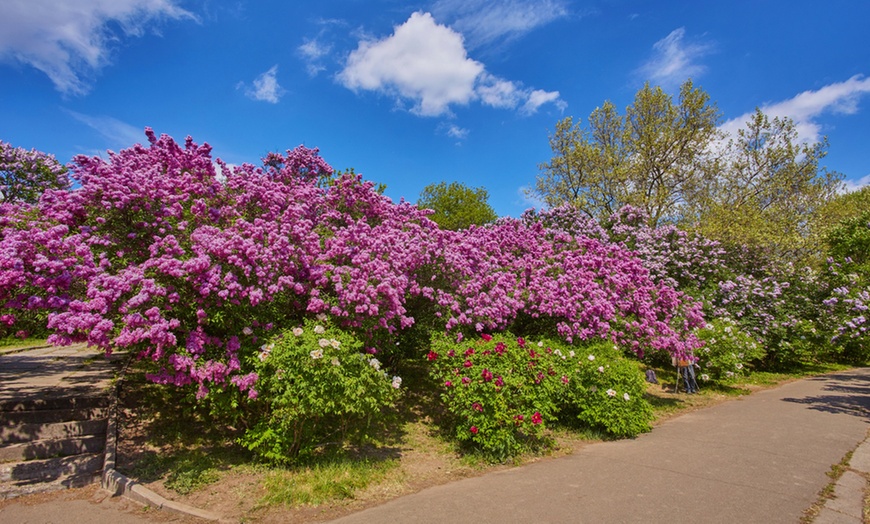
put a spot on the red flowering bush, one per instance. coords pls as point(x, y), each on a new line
point(502, 391)
point(499, 390)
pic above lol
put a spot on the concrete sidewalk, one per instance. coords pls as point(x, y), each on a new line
point(762, 458)
point(47, 371)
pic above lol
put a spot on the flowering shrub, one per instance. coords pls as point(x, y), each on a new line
point(682, 260)
point(502, 391)
point(606, 392)
point(585, 288)
point(499, 389)
point(728, 351)
point(156, 254)
point(25, 175)
point(847, 275)
point(317, 385)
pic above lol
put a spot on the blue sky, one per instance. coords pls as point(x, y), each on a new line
point(414, 93)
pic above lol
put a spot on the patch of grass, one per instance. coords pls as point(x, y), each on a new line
point(323, 482)
point(13, 342)
point(186, 471)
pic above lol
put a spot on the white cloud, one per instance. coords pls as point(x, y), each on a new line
point(484, 22)
point(496, 92)
point(313, 52)
point(674, 60)
point(529, 199)
point(854, 185)
point(266, 87)
point(118, 134)
point(70, 40)
point(805, 108)
point(457, 132)
point(538, 97)
point(426, 63)
point(421, 61)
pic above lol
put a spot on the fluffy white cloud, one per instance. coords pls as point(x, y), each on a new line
point(70, 40)
point(427, 63)
point(484, 22)
point(497, 92)
point(421, 61)
point(806, 107)
point(538, 97)
point(674, 59)
point(457, 132)
point(266, 87)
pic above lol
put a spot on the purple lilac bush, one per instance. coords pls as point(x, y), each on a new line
point(153, 252)
point(25, 175)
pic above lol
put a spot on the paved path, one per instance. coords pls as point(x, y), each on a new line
point(761, 459)
point(45, 372)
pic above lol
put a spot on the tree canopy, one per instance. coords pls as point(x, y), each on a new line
point(763, 188)
point(651, 158)
point(456, 205)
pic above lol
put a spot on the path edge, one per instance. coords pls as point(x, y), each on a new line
point(118, 484)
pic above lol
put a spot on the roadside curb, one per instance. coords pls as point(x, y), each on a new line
point(117, 483)
point(847, 503)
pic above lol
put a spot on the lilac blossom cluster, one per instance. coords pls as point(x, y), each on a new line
point(24, 175)
point(671, 255)
point(153, 252)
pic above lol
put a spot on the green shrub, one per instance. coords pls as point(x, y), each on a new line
point(316, 387)
point(728, 351)
point(502, 390)
point(499, 389)
point(607, 393)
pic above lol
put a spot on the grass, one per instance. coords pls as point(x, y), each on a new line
point(334, 480)
point(667, 404)
point(185, 471)
point(15, 342)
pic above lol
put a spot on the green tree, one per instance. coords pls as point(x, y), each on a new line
point(652, 158)
point(843, 207)
point(770, 192)
point(456, 205)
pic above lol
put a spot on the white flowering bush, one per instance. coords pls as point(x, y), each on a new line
point(316, 386)
point(606, 392)
point(728, 353)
